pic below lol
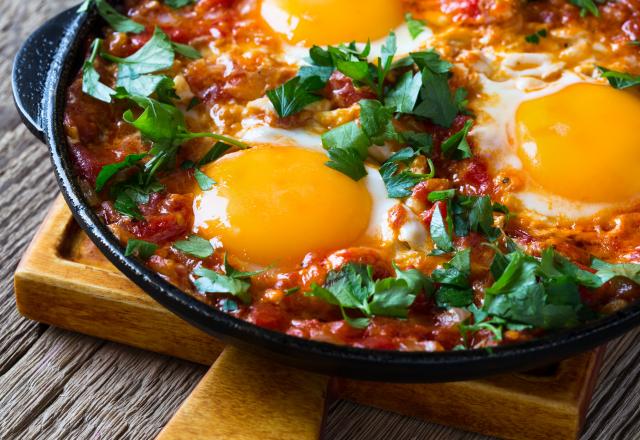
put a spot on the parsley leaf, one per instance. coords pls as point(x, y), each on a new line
point(437, 104)
point(175, 4)
point(535, 37)
point(353, 287)
point(204, 182)
point(195, 246)
point(140, 248)
point(399, 185)
point(108, 171)
point(539, 292)
point(215, 153)
point(376, 121)
point(456, 146)
point(234, 282)
point(619, 80)
point(404, 95)
point(347, 161)
point(587, 6)
point(415, 26)
point(606, 271)
point(431, 60)
point(348, 147)
point(294, 95)
point(91, 84)
point(119, 22)
point(439, 234)
point(453, 277)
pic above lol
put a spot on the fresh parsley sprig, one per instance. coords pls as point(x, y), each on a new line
point(119, 22)
point(619, 80)
point(233, 281)
point(588, 6)
point(353, 288)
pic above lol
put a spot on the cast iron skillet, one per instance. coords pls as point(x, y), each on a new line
point(43, 69)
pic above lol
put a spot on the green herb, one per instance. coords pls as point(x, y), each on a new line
point(404, 95)
point(134, 71)
point(453, 278)
point(204, 182)
point(431, 61)
point(347, 146)
point(291, 291)
point(140, 248)
point(228, 305)
point(438, 104)
point(195, 246)
point(164, 125)
point(416, 27)
point(294, 95)
point(233, 282)
point(108, 171)
point(619, 80)
point(456, 146)
point(587, 6)
point(186, 50)
point(179, 3)
point(126, 205)
point(400, 184)
point(348, 162)
point(132, 192)
point(438, 229)
point(376, 122)
point(606, 271)
point(353, 287)
point(119, 22)
point(91, 84)
point(215, 153)
point(535, 37)
point(193, 102)
point(539, 292)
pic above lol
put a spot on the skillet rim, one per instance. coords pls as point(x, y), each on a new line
point(316, 356)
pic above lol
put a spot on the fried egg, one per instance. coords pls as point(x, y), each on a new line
point(277, 201)
point(569, 144)
point(303, 23)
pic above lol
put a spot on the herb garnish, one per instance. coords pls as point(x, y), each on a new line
point(140, 248)
point(119, 22)
point(619, 80)
point(195, 246)
point(416, 26)
point(587, 6)
point(535, 37)
point(353, 287)
point(233, 282)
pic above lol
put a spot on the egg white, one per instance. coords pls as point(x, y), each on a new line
point(495, 129)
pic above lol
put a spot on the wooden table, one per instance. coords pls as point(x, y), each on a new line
point(56, 384)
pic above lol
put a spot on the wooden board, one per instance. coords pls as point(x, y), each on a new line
point(64, 281)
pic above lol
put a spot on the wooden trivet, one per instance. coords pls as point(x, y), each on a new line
point(64, 281)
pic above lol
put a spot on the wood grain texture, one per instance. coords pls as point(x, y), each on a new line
point(283, 403)
point(54, 384)
point(100, 301)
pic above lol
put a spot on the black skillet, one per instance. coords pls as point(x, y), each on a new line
point(44, 68)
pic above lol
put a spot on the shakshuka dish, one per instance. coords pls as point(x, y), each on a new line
point(400, 175)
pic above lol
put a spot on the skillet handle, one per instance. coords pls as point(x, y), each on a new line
point(31, 68)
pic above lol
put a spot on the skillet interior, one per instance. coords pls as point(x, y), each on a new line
point(45, 118)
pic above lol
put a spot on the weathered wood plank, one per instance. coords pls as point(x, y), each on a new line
point(85, 408)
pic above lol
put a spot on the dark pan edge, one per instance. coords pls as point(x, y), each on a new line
point(315, 356)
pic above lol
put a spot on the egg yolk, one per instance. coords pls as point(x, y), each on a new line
point(582, 143)
point(330, 22)
point(273, 205)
